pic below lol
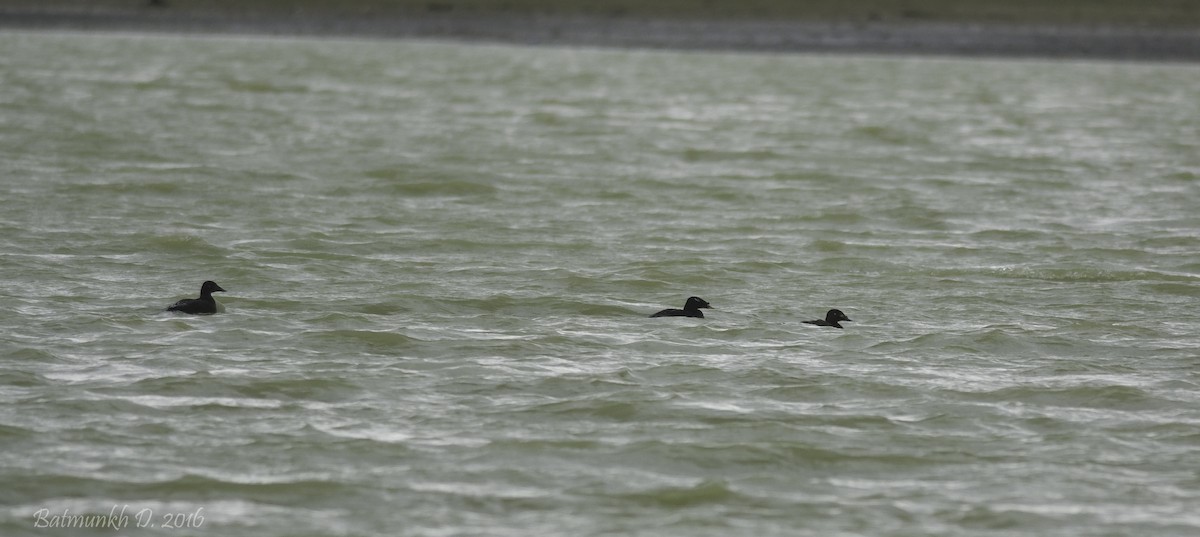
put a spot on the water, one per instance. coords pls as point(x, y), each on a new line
point(440, 260)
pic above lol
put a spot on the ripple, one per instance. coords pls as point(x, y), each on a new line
point(703, 493)
point(1107, 397)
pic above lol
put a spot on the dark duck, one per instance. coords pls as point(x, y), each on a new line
point(204, 305)
point(831, 319)
point(690, 309)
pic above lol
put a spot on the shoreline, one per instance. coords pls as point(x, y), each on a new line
point(1026, 40)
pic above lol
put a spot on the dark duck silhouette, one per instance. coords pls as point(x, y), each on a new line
point(690, 309)
point(204, 305)
point(831, 319)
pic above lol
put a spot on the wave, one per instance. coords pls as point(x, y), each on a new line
point(1062, 274)
point(405, 182)
point(1106, 397)
point(706, 492)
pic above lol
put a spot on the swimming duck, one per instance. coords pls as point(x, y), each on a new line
point(204, 305)
point(831, 319)
point(690, 309)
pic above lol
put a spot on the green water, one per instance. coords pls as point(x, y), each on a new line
point(440, 261)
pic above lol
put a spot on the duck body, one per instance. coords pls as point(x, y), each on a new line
point(832, 318)
point(205, 305)
point(690, 309)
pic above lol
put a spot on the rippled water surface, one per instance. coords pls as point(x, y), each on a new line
point(440, 261)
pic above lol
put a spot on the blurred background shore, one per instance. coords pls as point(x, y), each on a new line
point(1121, 29)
